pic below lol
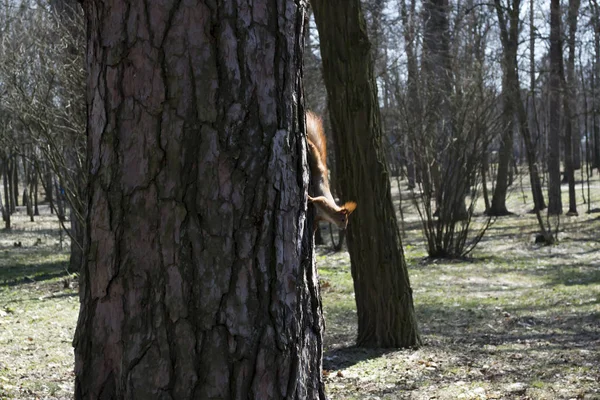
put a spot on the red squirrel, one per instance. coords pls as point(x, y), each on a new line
point(327, 209)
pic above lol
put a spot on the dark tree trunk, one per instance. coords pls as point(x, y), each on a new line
point(554, 179)
point(13, 185)
point(198, 279)
point(595, 77)
point(16, 180)
point(48, 189)
point(509, 35)
point(498, 207)
point(3, 208)
point(570, 107)
point(60, 202)
point(77, 238)
point(414, 116)
point(319, 237)
point(384, 302)
point(7, 199)
point(484, 168)
point(36, 209)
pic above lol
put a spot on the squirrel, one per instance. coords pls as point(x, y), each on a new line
point(327, 209)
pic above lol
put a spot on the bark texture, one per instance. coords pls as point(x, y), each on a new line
point(198, 280)
point(383, 295)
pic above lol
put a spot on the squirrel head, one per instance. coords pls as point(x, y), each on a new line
point(342, 215)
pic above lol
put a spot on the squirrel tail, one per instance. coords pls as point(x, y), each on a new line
point(316, 135)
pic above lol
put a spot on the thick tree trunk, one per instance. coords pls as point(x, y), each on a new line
point(198, 279)
point(554, 179)
point(382, 289)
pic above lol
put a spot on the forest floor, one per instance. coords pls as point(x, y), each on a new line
point(514, 321)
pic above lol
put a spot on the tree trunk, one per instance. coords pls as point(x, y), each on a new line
point(36, 209)
point(554, 180)
point(7, 199)
point(414, 115)
point(15, 178)
point(509, 35)
point(570, 107)
point(595, 77)
point(498, 207)
point(77, 238)
point(3, 208)
point(48, 189)
point(198, 279)
point(382, 289)
point(60, 202)
point(14, 184)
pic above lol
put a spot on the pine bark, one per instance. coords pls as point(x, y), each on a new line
point(198, 279)
point(382, 290)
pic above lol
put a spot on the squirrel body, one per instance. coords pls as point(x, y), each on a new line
point(327, 208)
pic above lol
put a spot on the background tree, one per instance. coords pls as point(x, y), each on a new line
point(198, 280)
point(43, 78)
point(382, 289)
point(554, 190)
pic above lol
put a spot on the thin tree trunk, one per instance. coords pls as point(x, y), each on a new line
point(569, 105)
point(595, 77)
point(486, 197)
point(7, 195)
point(383, 298)
point(509, 40)
point(15, 186)
point(554, 139)
point(198, 280)
point(60, 203)
point(498, 207)
point(76, 253)
point(36, 210)
point(3, 208)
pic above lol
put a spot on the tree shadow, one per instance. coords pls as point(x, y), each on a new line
point(347, 356)
point(22, 273)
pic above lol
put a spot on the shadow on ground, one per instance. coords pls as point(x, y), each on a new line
point(18, 272)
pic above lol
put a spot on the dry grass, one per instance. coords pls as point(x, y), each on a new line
point(37, 312)
point(517, 321)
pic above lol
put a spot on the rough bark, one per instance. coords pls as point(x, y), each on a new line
point(198, 279)
point(554, 139)
point(382, 289)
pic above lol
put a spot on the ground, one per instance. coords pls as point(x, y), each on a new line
point(514, 321)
